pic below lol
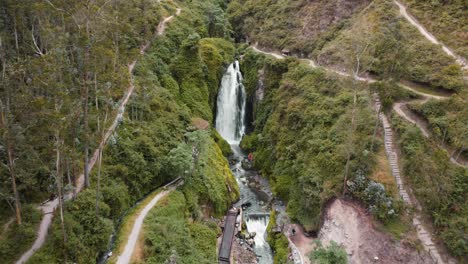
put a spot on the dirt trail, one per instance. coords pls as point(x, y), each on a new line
point(403, 11)
point(400, 107)
point(402, 110)
point(49, 207)
point(126, 255)
point(349, 225)
point(301, 244)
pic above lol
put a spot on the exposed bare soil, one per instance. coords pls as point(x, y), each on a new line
point(350, 226)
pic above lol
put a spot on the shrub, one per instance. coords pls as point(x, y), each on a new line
point(379, 203)
point(333, 254)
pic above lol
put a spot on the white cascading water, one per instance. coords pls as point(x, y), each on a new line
point(230, 123)
point(259, 226)
point(231, 105)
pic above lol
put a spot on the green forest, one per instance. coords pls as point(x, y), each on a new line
point(103, 102)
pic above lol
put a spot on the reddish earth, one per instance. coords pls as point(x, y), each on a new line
point(351, 227)
point(303, 243)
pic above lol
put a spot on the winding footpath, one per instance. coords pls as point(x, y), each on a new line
point(400, 108)
point(48, 208)
point(132, 240)
point(403, 11)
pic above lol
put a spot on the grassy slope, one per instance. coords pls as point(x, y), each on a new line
point(448, 120)
point(300, 138)
point(447, 20)
point(395, 49)
point(300, 26)
point(439, 185)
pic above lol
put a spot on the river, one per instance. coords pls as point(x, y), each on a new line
point(230, 123)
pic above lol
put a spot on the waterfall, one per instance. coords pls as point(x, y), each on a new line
point(259, 226)
point(231, 105)
point(230, 123)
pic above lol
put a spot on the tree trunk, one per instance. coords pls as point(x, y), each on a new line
point(11, 168)
point(98, 181)
point(4, 123)
point(59, 181)
point(85, 117)
point(16, 35)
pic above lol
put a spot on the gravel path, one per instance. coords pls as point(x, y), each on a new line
point(461, 61)
point(126, 255)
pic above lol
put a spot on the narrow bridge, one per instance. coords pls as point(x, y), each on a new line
point(224, 256)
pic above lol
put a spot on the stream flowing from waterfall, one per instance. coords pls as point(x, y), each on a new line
point(230, 123)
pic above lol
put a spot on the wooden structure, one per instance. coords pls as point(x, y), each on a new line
point(224, 256)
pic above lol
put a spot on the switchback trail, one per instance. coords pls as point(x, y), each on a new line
point(49, 207)
point(400, 108)
point(403, 11)
point(423, 234)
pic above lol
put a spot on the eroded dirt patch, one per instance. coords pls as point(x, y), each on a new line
point(350, 226)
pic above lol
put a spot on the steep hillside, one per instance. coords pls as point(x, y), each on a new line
point(65, 92)
point(301, 26)
point(387, 44)
point(311, 137)
point(374, 40)
point(447, 20)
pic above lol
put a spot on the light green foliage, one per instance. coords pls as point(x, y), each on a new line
point(170, 235)
point(222, 144)
point(215, 53)
point(301, 137)
point(249, 142)
point(439, 186)
point(179, 161)
point(210, 181)
point(198, 70)
point(277, 241)
point(333, 254)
